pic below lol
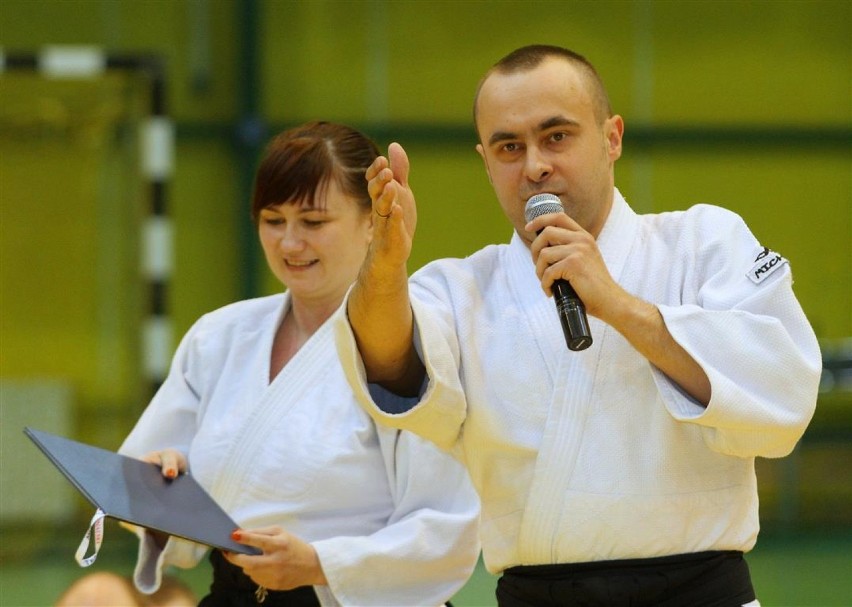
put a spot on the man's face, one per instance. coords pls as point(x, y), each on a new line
point(539, 133)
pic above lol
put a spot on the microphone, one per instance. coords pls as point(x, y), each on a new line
point(572, 312)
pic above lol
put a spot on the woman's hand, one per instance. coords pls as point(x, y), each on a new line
point(286, 563)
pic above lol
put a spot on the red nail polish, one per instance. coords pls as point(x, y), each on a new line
point(236, 535)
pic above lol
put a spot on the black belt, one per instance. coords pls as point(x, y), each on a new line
point(701, 579)
point(233, 588)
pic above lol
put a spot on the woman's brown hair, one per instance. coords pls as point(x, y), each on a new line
point(299, 163)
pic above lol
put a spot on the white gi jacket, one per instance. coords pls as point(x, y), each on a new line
point(393, 519)
point(596, 455)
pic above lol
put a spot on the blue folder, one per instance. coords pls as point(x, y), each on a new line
point(136, 492)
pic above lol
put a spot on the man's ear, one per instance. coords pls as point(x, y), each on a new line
point(481, 151)
point(614, 132)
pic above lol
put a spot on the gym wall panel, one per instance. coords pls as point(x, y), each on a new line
point(687, 67)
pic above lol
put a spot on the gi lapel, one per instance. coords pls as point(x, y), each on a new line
point(539, 311)
point(299, 376)
point(572, 400)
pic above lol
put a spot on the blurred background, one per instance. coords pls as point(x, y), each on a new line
point(109, 250)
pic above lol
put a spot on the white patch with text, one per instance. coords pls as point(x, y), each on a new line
point(764, 265)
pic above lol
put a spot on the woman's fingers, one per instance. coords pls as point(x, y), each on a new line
point(171, 461)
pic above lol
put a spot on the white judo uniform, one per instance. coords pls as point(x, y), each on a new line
point(596, 455)
point(393, 519)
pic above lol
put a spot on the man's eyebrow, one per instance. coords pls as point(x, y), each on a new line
point(544, 125)
point(556, 121)
point(501, 136)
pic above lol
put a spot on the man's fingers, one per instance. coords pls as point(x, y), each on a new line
point(385, 177)
point(384, 203)
point(377, 176)
point(399, 163)
point(378, 164)
point(382, 191)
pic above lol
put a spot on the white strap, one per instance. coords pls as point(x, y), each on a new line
point(98, 525)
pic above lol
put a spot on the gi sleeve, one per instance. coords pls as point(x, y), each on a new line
point(742, 323)
point(151, 559)
point(429, 546)
point(169, 421)
point(439, 412)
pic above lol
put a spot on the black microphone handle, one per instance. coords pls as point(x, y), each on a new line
point(572, 315)
point(569, 306)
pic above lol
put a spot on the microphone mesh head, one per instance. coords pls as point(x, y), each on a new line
point(542, 204)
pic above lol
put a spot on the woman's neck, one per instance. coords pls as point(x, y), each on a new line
point(301, 320)
point(310, 316)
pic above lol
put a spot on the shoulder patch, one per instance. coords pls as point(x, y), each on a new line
point(764, 265)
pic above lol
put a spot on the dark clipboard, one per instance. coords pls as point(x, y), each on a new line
point(136, 492)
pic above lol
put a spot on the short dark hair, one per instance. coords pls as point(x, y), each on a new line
point(529, 57)
point(301, 161)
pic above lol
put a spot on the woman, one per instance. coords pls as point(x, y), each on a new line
point(257, 408)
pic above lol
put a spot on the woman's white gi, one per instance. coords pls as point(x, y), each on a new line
point(393, 519)
point(595, 455)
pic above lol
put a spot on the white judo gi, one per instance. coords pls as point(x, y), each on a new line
point(596, 455)
point(393, 519)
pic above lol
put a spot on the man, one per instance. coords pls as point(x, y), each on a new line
point(622, 474)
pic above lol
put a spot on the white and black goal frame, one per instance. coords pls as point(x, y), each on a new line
point(156, 166)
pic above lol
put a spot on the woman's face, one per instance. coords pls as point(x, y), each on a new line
point(316, 252)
